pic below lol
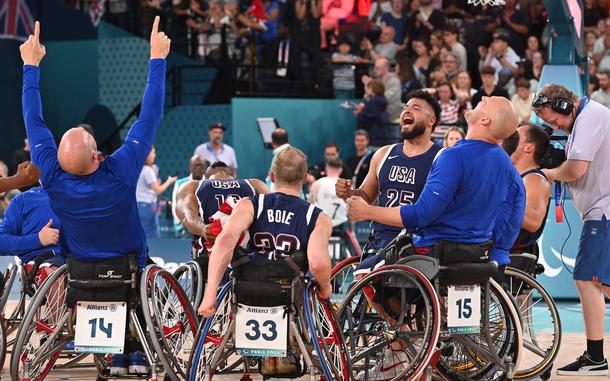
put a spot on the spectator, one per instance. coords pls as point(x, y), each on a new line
point(360, 162)
point(407, 77)
point(149, 9)
point(118, 12)
point(425, 20)
point(271, 22)
point(331, 153)
point(424, 64)
point(391, 84)
point(372, 116)
point(506, 82)
point(215, 150)
point(306, 29)
point(450, 37)
point(489, 89)
point(398, 20)
point(533, 46)
point(385, 47)
point(332, 12)
point(454, 135)
point(281, 57)
point(514, 23)
point(21, 155)
point(3, 169)
point(593, 84)
point(197, 168)
point(602, 45)
point(147, 191)
point(590, 38)
point(378, 8)
point(463, 89)
point(448, 71)
point(522, 101)
point(436, 45)
point(178, 30)
point(343, 73)
point(500, 54)
point(592, 14)
point(450, 111)
point(537, 65)
point(602, 95)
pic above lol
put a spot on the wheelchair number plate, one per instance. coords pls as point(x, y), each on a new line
point(464, 309)
point(261, 331)
point(100, 327)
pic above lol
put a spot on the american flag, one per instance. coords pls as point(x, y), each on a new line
point(17, 18)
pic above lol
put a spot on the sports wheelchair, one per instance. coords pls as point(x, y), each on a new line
point(391, 319)
point(270, 315)
point(51, 321)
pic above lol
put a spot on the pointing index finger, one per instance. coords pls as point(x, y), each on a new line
point(37, 31)
point(155, 27)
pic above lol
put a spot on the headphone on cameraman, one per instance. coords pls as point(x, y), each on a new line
point(560, 105)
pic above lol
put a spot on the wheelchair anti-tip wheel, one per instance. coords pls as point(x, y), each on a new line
point(170, 319)
point(390, 319)
point(40, 338)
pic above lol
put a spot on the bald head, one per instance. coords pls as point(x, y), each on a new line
point(492, 120)
point(77, 152)
point(197, 167)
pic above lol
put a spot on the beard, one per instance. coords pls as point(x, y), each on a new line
point(417, 130)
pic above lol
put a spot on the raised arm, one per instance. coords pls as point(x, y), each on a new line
point(132, 154)
point(27, 174)
point(43, 147)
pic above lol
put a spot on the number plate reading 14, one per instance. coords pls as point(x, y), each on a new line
point(100, 327)
point(261, 331)
point(464, 309)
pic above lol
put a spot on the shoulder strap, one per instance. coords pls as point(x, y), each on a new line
point(536, 171)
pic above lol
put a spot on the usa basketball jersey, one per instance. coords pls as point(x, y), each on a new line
point(282, 225)
point(401, 180)
point(327, 200)
point(213, 193)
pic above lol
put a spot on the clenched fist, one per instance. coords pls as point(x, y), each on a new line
point(32, 51)
point(48, 236)
point(159, 42)
point(343, 188)
point(27, 174)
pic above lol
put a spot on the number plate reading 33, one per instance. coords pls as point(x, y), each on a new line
point(464, 309)
point(100, 327)
point(261, 331)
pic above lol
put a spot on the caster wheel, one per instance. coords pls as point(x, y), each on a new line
point(546, 374)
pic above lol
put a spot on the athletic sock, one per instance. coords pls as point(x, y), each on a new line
point(595, 350)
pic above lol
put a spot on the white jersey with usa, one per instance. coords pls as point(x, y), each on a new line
point(327, 200)
point(282, 225)
point(401, 180)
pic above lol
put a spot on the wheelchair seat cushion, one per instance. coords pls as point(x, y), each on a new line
point(107, 280)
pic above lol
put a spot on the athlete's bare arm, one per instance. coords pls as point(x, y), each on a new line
point(259, 186)
point(537, 192)
point(313, 192)
point(369, 188)
point(187, 208)
point(317, 254)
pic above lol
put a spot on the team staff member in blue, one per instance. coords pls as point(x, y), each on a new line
point(30, 227)
point(94, 199)
point(473, 192)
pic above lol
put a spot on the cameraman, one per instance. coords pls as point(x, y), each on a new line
point(586, 174)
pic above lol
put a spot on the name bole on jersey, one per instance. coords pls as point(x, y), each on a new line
point(279, 216)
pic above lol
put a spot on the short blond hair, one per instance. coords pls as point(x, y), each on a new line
point(290, 167)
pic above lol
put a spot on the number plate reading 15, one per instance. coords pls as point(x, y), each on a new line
point(261, 331)
point(464, 309)
point(100, 327)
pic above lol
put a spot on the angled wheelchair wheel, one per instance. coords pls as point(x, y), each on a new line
point(211, 336)
point(342, 278)
point(189, 276)
point(170, 319)
point(471, 357)
point(42, 334)
point(539, 320)
point(390, 321)
point(327, 339)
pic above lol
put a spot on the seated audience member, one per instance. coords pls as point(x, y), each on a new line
point(450, 111)
point(522, 101)
point(602, 95)
point(398, 20)
point(407, 77)
point(454, 135)
point(489, 89)
point(385, 47)
point(372, 116)
point(450, 38)
point(500, 54)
